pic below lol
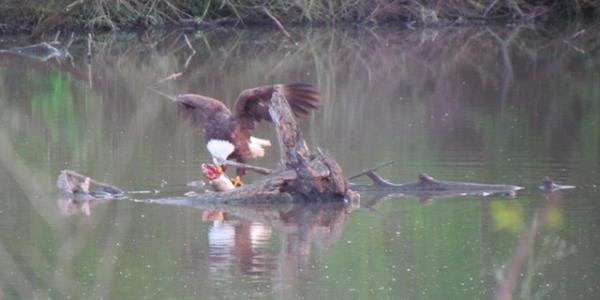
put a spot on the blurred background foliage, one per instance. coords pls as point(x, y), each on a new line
point(36, 16)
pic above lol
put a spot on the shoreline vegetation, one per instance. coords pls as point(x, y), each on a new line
point(39, 17)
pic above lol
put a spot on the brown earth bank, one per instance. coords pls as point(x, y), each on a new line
point(38, 17)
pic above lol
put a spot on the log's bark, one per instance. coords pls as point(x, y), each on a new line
point(319, 177)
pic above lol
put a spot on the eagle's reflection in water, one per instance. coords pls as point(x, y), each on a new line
point(236, 242)
point(244, 239)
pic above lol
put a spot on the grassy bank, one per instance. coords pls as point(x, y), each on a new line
point(39, 16)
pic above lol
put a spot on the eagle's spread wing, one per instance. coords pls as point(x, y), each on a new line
point(252, 105)
point(195, 108)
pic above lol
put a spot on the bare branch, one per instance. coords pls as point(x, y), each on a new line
point(187, 41)
point(289, 36)
point(168, 78)
point(260, 170)
point(170, 97)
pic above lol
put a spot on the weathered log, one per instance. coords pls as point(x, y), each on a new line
point(549, 186)
point(74, 183)
point(426, 188)
point(319, 177)
point(427, 183)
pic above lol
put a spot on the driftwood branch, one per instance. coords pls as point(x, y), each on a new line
point(73, 182)
point(257, 169)
point(428, 183)
point(426, 188)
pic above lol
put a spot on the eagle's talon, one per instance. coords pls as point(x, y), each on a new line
point(237, 181)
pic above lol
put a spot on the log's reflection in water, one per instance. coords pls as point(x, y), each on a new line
point(320, 225)
point(71, 204)
point(240, 238)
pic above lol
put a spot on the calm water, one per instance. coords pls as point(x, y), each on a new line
point(500, 105)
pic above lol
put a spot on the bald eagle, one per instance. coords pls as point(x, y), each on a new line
point(227, 134)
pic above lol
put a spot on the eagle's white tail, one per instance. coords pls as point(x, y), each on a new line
point(261, 142)
point(256, 146)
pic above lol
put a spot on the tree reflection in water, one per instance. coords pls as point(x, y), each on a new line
point(527, 260)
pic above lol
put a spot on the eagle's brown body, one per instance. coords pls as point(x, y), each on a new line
point(251, 106)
